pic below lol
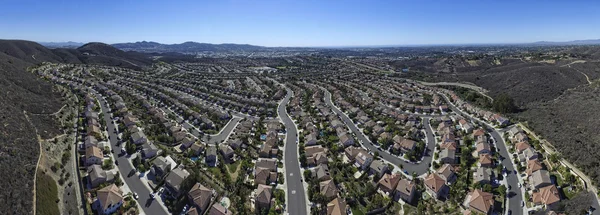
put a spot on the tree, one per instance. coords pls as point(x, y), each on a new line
point(504, 104)
point(501, 190)
point(553, 157)
point(487, 188)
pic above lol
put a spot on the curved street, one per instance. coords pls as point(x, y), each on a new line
point(295, 188)
point(419, 168)
point(514, 203)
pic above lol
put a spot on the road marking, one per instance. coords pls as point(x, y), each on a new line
point(291, 174)
point(293, 191)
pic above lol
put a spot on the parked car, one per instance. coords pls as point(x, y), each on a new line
point(135, 195)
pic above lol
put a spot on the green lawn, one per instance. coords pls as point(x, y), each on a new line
point(358, 210)
point(46, 195)
point(215, 172)
point(232, 167)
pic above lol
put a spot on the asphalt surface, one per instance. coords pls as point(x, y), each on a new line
point(514, 202)
point(134, 183)
point(217, 138)
point(295, 189)
point(419, 168)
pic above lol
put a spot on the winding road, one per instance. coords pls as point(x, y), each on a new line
point(295, 188)
point(514, 202)
point(419, 168)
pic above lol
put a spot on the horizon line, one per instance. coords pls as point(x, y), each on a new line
point(542, 42)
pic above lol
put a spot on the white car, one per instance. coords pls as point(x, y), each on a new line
point(520, 185)
point(135, 195)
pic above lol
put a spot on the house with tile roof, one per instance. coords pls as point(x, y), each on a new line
point(436, 186)
point(200, 197)
point(547, 196)
point(337, 206)
point(480, 202)
point(109, 199)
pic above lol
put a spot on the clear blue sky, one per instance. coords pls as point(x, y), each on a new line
point(300, 22)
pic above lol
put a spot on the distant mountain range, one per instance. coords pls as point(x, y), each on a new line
point(186, 47)
point(195, 47)
point(573, 42)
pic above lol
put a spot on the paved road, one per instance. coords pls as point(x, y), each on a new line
point(134, 183)
point(514, 203)
point(216, 138)
point(419, 168)
point(295, 189)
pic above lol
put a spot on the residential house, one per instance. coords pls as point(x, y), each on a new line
point(378, 168)
point(227, 152)
point(161, 167)
point(478, 134)
point(482, 175)
point(187, 143)
point(520, 137)
point(263, 197)
point(446, 172)
point(528, 154)
point(447, 156)
point(175, 179)
point(533, 166)
point(149, 150)
point(218, 209)
point(265, 171)
point(200, 197)
point(485, 160)
point(363, 160)
point(310, 139)
point(139, 138)
point(264, 176)
point(197, 148)
point(539, 179)
point(483, 148)
point(480, 202)
point(388, 182)
point(346, 139)
point(316, 155)
point(336, 206)
point(93, 155)
point(90, 141)
point(321, 172)
point(211, 156)
point(97, 176)
point(328, 189)
point(404, 145)
point(405, 190)
point(521, 146)
point(109, 199)
point(547, 196)
point(436, 186)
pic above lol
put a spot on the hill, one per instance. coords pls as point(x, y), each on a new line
point(104, 54)
point(23, 94)
point(573, 42)
point(187, 47)
point(25, 104)
point(69, 44)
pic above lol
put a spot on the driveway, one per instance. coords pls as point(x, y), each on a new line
point(296, 196)
point(134, 183)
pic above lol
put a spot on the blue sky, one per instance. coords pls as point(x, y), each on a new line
point(300, 22)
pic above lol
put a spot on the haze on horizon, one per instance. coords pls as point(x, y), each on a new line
point(301, 23)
